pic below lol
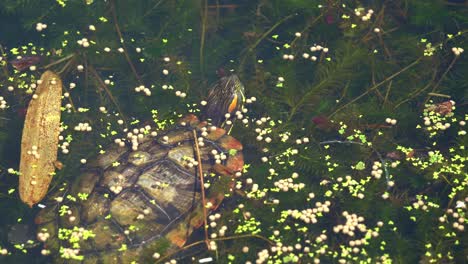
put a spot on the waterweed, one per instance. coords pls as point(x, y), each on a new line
point(386, 180)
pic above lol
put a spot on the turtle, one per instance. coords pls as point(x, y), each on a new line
point(134, 204)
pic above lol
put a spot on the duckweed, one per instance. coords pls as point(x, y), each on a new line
point(353, 132)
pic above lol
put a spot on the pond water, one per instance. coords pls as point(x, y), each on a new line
point(293, 131)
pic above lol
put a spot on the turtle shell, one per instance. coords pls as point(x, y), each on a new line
point(127, 205)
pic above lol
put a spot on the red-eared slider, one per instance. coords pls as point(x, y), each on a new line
point(129, 204)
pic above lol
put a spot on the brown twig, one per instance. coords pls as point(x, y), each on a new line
point(200, 174)
point(215, 239)
point(65, 67)
point(439, 95)
point(69, 57)
point(119, 33)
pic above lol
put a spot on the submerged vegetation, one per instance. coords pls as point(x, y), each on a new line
point(354, 125)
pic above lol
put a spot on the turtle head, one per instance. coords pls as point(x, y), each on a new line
point(226, 96)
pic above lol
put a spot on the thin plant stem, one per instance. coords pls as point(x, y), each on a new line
point(389, 87)
point(251, 48)
point(151, 9)
point(439, 95)
point(345, 90)
point(5, 67)
point(304, 98)
point(69, 57)
point(414, 94)
point(307, 28)
point(377, 86)
point(441, 78)
point(65, 67)
point(104, 86)
point(119, 33)
point(200, 174)
point(204, 15)
point(216, 239)
point(66, 91)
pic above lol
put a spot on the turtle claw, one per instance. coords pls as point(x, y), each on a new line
point(190, 119)
point(178, 237)
point(223, 170)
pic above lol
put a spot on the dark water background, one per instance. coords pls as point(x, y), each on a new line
point(366, 76)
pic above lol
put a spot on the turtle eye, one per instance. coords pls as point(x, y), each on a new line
point(233, 104)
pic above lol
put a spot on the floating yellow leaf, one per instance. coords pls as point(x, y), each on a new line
point(40, 139)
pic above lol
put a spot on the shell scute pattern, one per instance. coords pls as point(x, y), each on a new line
point(96, 205)
point(171, 188)
point(85, 183)
point(105, 160)
point(110, 236)
point(147, 199)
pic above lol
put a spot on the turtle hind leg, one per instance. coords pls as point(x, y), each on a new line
point(191, 245)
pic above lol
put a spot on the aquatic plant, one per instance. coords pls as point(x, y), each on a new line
point(354, 126)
